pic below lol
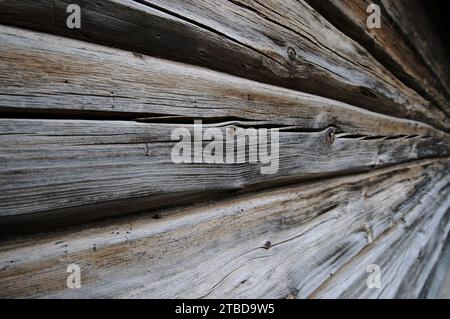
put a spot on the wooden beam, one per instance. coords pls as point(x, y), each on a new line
point(71, 170)
point(328, 63)
point(63, 76)
point(437, 284)
point(276, 243)
point(414, 281)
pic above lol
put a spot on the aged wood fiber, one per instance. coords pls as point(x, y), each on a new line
point(303, 52)
point(86, 119)
point(49, 165)
point(270, 244)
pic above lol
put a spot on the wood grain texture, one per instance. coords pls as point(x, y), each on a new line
point(414, 282)
point(42, 72)
point(294, 34)
point(244, 39)
point(275, 243)
point(437, 285)
point(52, 165)
point(396, 253)
point(74, 170)
point(387, 44)
point(85, 135)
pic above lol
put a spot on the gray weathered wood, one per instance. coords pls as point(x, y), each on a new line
point(42, 72)
point(72, 170)
point(293, 34)
point(396, 253)
point(438, 282)
point(247, 42)
point(414, 281)
point(51, 165)
point(85, 135)
point(277, 243)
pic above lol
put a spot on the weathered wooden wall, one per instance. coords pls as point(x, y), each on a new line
point(85, 135)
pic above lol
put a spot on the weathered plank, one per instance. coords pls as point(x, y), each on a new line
point(91, 167)
point(266, 51)
point(414, 281)
point(277, 243)
point(294, 34)
point(387, 44)
point(70, 165)
point(438, 282)
point(45, 72)
point(396, 253)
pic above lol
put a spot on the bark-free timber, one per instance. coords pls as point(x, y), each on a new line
point(66, 171)
point(272, 244)
point(438, 281)
point(90, 167)
point(47, 73)
point(305, 52)
point(398, 253)
point(87, 116)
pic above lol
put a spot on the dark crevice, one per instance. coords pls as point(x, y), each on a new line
point(190, 120)
point(205, 27)
point(54, 114)
point(151, 118)
point(380, 137)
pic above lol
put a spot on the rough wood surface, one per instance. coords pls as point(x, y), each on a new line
point(278, 243)
point(396, 252)
point(66, 171)
point(41, 72)
point(414, 282)
point(50, 165)
point(437, 285)
point(244, 39)
point(387, 44)
point(293, 34)
point(85, 134)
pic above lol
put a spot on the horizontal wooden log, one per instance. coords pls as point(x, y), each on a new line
point(40, 72)
point(374, 173)
point(71, 170)
point(387, 44)
point(278, 243)
point(285, 55)
point(294, 35)
point(396, 253)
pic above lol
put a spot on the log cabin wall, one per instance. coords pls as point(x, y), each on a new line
point(87, 117)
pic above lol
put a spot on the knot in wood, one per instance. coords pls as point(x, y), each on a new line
point(330, 135)
point(291, 53)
